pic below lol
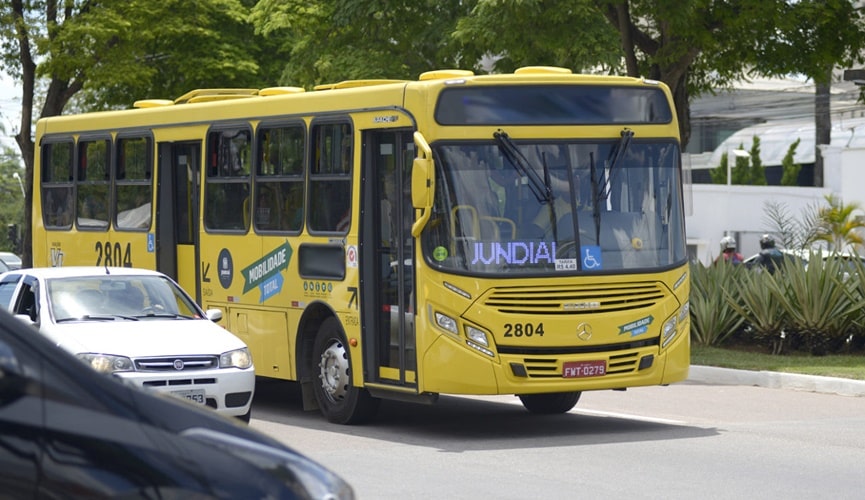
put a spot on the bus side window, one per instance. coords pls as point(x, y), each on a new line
point(330, 178)
point(227, 189)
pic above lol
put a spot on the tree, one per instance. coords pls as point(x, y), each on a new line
point(333, 40)
point(515, 33)
point(812, 37)
point(97, 54)
point(11, 198)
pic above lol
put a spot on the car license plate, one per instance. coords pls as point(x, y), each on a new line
point(195, 395)
point(579, 369)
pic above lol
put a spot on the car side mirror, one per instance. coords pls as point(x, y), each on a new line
point(214, 315)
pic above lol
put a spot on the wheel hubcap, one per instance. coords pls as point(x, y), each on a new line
point(333, 371)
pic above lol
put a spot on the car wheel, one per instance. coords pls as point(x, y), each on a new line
point(548, 404)
point(340, 401)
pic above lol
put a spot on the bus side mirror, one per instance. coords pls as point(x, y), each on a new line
point(422, 183)
point(421, 192)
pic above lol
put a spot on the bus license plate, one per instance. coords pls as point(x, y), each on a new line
point(579, 369)
point(196, 395)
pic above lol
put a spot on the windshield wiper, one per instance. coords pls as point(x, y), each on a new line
point(542, 190)
point(164, 315)
point(99, 317)
point(613, 161)
point(601, 186)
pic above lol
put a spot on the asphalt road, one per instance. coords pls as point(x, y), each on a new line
point(689, 440)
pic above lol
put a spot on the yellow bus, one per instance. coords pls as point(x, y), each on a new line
point(517, 234)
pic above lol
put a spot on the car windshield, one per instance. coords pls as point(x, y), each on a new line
point(108, 296)
point(556, 207)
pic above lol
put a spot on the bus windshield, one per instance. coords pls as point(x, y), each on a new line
point(556, 207)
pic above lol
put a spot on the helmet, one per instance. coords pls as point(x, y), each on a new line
point(728, 243)
point(767, 241)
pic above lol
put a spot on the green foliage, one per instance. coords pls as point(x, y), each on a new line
point(817, 302)
point(839, 226)
point(790, 175)
point(11, 199)
point(748, 168)
point(759, 306)
point(719, 173)
point(757, 174)
point(334, 40)
point(567, 33)
point(713, 318)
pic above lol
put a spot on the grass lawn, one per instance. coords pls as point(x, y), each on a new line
point(845, 366)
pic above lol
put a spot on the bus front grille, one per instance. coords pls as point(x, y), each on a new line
point(552, 368)
point(575, 299)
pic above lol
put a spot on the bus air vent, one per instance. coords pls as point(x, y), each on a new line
point(575, 299)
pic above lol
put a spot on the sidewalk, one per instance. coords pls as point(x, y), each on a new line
point(776, 380)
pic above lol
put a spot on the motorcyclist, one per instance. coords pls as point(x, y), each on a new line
point(728, 251)
point(769, 258)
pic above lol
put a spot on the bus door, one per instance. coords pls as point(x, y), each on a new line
point(387, 258)
point(177, 213)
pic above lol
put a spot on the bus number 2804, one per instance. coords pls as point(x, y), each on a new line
point(523, 329)
point(113, 255)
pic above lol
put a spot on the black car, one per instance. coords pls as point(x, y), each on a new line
point(67, 431)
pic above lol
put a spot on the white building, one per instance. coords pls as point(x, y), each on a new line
point(779, 117)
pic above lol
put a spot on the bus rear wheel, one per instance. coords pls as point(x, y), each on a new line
point(340, 401)
point(548, 404)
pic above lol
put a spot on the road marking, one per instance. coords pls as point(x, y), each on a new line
point(628, 416)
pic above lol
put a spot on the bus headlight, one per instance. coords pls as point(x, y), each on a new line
point(668, 331)
point(446, 322)
point(684, 311)
point(239, 358)
point(107, 363)
point(477, 336)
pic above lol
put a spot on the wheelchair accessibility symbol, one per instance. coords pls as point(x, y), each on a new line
point(591, 256)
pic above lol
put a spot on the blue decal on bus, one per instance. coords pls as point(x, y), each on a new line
point(271, 287)
point(591, 255)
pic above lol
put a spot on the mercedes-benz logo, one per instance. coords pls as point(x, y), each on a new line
point(584, 332)
point(178, 364)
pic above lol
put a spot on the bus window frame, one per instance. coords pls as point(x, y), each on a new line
point(67, 184)
point(107, 180)
point(216, 180)
point(289, 180)
point(314, 177)
point(117, 182)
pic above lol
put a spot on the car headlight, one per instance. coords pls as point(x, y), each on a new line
point(238, 358)
point(107, 363)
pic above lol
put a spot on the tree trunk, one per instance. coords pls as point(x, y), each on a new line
point(822, 122)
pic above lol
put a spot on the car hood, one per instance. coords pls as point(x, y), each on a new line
point(144, 337)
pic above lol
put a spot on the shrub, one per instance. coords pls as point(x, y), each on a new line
point(818, 301)
point(760, 308)
point(713, 319)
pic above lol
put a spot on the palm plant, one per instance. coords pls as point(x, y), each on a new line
point(713, 319)
point(839, 226)
point(760, 306)
point(819, 302)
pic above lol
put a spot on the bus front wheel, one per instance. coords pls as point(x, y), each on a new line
point(340, 401)
point(548, 404)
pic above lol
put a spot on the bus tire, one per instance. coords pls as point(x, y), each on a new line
point(340, 401)
point(548, 404)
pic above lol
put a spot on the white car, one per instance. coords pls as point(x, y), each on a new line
point(140, 326)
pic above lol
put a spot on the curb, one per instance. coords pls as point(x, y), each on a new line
point(776, 380)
